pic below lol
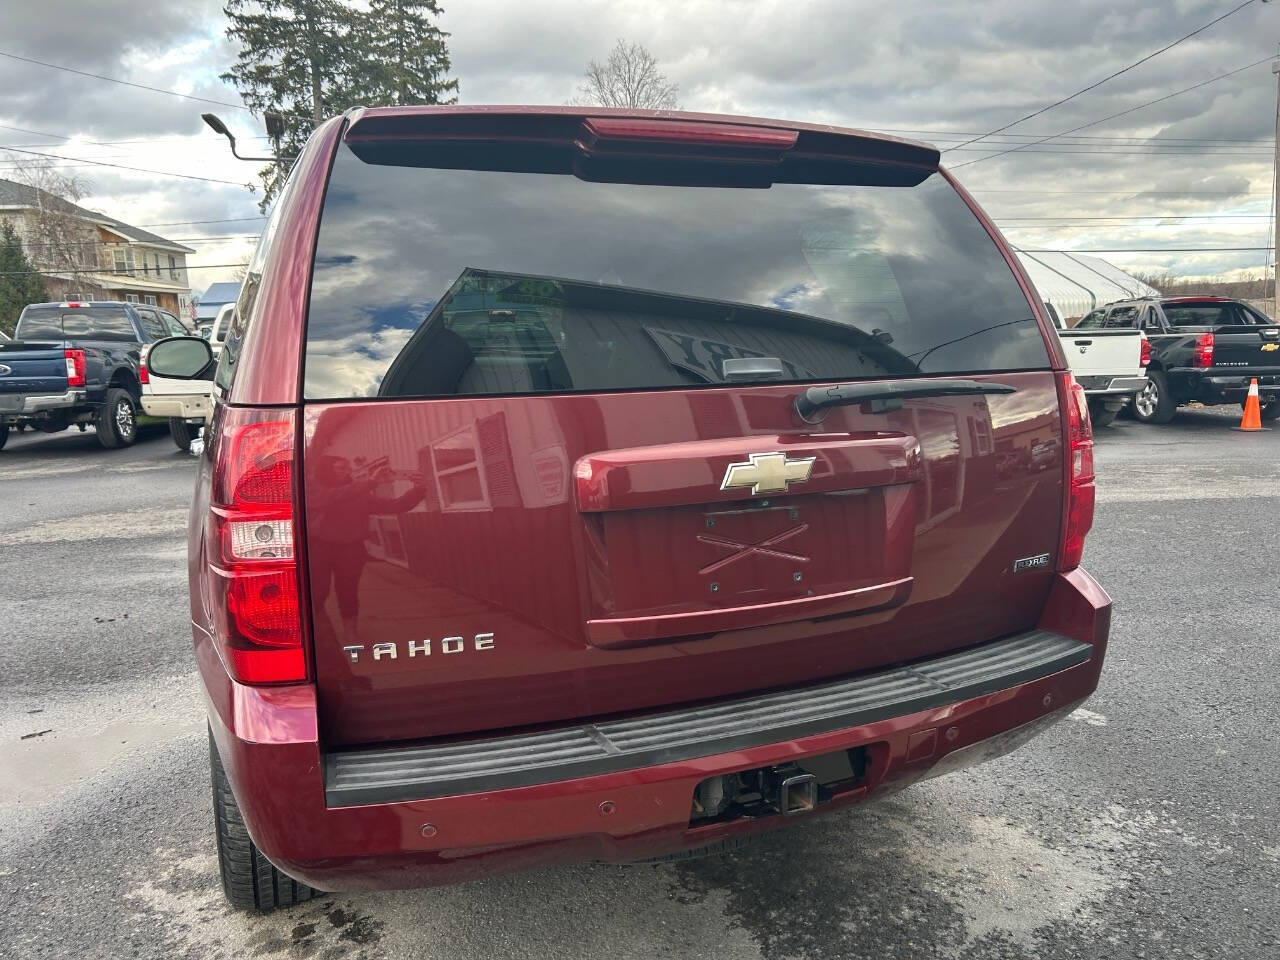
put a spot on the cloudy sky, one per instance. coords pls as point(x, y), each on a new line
point(1193, 170)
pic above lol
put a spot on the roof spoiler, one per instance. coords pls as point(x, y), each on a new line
point(809, 152)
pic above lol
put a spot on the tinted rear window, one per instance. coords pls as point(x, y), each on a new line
point(1117, 317)
point(431, 281)
point(1210, 315)
point(65, 323)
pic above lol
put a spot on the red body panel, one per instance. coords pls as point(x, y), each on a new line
point(497, 544)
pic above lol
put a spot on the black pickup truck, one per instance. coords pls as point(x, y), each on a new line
point(77, 363)
point(1203, 349)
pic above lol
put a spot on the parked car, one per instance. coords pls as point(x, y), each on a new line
point(1109, 362)
point(186, 404)
point(216, 329)
point(78, 363)
point(562, 501)
point(1203, 349)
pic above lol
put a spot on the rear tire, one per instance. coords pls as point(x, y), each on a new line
point(1154, 403)
point(182, 433)
point(117, 421)
point(1100, 415)
point(249, 880)
point(4, 434)
point(1267, 411)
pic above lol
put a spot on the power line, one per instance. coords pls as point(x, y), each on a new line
point(121, 166)
point(1149, 250)
point(1120, 152)
point(52, 271)
point(126, 83)
point(1122, 113)
point(958, 135)
point(1119, 193)
point(1123, 70)
point(191, 223)
point(126, 243)
point(1150, 216)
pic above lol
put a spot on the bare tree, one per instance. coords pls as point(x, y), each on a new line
point(629, 78)
point(55, 231)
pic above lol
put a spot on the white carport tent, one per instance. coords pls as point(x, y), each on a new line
point(1075, 283)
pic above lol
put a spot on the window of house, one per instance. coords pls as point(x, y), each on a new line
point(131, 298)
point(173, 267)
point(124, 260)
point(150, 299)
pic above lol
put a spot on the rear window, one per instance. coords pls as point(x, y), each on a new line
point(66, 323)
point(1210, 315)
point(1101, 319)
point(437, 282)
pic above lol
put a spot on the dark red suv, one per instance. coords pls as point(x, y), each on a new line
point(593, 484)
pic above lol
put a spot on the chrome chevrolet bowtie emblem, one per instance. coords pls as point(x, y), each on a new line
point(767, 473)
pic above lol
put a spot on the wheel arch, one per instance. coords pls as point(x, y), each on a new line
point(125, 378)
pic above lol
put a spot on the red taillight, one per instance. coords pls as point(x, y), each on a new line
point(250, 546)
point(1078, 509)
point(1202, 355)
point(650, 129)
point(1144, 356)
point(144, 375)
point(75, 367)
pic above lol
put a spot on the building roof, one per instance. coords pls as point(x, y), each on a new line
point(221, 293)
point(21, 195)
point(1075, 283)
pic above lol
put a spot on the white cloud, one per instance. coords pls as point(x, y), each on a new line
point(969, 65)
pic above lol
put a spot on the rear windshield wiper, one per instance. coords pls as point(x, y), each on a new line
point(888, 395)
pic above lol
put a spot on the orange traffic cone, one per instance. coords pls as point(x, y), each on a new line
point(1252, 419)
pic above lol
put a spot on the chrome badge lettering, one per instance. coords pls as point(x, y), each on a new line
point(1039, 562)
point(767, 472)
point(390, 650)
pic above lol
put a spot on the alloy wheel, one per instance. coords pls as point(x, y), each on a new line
point(1147, 399)
point(124, 419)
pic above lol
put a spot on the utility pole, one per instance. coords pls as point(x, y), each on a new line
point(1275, 197)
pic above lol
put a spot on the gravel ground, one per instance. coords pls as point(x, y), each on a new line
point(1143, 826)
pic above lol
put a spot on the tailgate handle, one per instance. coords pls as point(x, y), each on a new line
point(887, 395)
point(1084, 343)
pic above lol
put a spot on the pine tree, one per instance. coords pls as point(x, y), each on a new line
point(310, 59)
point(407, 59)
point(20, 284)
point(298, 58)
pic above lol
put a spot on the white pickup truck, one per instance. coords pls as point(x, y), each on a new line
point(184, 402)
point(1108, 360)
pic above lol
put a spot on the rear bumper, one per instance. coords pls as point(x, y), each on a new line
point(380, 819)
point(38, 403)
point(1109, 386)
point(1210, 386)
point(184, 405)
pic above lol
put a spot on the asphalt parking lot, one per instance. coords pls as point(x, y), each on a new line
point(1145, 825)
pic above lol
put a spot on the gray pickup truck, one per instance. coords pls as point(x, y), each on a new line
point(77, 363)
